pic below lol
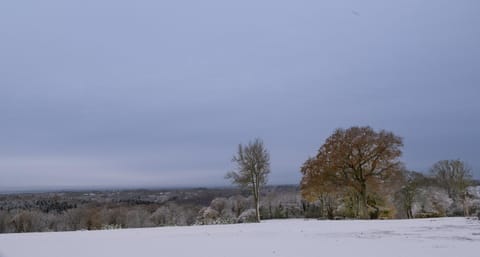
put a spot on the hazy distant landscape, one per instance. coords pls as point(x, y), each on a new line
point(115, 209)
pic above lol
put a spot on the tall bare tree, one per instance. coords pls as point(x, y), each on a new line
point(357, 159)
point(455, 176)
point(252, 169)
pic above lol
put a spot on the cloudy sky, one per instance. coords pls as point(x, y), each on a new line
point(160, 93)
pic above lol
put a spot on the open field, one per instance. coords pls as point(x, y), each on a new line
point(296, 237)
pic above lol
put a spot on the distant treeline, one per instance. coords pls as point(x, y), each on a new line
point(67, 211)
point(150, 208)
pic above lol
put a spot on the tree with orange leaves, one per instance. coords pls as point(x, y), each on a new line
point(358, 160)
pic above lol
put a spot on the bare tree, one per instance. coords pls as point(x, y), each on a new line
point(358, 159)
point(253, 167)
point(408, 193)
point(455, 177)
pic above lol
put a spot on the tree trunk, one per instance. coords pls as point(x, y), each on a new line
point(257, 204)
point(409, 207)
point(256, 196)
point(363, 201)
point(466, 211)
point(257, 209)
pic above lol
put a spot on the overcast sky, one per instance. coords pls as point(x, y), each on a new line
point(160, 93)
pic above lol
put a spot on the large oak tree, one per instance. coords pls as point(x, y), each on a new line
point(358, 160)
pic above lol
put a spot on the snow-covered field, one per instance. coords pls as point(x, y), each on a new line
point(293, 238)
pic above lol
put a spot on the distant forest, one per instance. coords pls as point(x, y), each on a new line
point(356, 174)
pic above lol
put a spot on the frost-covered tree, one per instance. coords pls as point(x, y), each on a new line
point(252, 169)
point(455, 176)
point(408, 193)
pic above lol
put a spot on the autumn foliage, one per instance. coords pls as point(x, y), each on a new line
point(358, 163)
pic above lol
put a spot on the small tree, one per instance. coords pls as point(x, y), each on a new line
point(408, 193)
point(455, 177)
point(253, 167)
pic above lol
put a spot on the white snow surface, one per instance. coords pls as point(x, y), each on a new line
point(293, 238)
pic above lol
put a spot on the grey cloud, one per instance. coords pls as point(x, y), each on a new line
point(166, 90)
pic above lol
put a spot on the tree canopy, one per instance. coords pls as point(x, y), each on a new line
point(454, 176)
point(357, 160)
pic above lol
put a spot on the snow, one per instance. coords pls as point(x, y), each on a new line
point(293, 238)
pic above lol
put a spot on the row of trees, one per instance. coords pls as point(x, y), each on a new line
point(92, 218)
point(277, 202)
point(453, 177)
point(359, 170)
point(356, 174)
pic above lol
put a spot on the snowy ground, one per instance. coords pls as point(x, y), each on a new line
point(293, 238)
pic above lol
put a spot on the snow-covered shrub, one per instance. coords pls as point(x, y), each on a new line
point(219, 204)
point(247, 216)
point(433, 200)
point(111, 226)
point(474, 200)
point(206, 216)
point(220, 211)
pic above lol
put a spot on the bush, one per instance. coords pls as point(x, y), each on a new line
point(386, 214)
point(247, 216)
point(423, 215)
point(111, 226)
